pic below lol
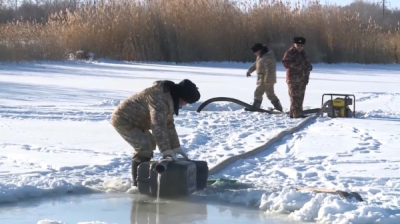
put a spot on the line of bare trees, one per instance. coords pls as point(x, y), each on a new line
point(39, 10)
point(32, 10)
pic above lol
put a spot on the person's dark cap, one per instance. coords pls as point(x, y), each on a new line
point(189, 92)
point(299, 40)
point(256, 47)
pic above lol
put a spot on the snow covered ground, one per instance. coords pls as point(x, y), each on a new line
point(56, 137)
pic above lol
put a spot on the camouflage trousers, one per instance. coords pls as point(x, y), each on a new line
point(143, 142)
point(296, 93)
point(268, 89)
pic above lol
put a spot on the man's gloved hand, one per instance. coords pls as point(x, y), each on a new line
point(173, 153)
point(180, 151)
point(169, 153)
point(248, 74)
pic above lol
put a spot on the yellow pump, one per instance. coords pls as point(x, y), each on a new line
point(339, 107)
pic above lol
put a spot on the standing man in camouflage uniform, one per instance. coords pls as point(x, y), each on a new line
point(153, 109)
point(265, 66)
point(298, 68)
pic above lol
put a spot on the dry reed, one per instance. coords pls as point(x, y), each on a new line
point(200, 30)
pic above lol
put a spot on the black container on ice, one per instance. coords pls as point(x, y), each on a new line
point(180, 178)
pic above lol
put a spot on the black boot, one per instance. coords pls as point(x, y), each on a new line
point(135, 164)
point(301, 116)
point(277, 105)
point(256, 104)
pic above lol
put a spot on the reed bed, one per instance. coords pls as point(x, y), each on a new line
point(200, 30)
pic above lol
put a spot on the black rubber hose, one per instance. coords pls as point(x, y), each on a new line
point(241, 103)
point(232, 100)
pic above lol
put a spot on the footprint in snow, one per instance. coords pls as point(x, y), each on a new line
point(310, 174)
point(366, 138)
point(344, 155)
point(26, 147)
point(360, 149)
point(300, 168)
point(317, 158)
point(244, 135)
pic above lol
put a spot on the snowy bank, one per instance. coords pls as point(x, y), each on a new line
point(325, 208)
point(56, 137)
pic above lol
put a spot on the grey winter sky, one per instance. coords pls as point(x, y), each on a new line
point(390, 3)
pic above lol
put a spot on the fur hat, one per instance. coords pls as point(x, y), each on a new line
point(188, 91)
point(256, 47)
point(299, 40)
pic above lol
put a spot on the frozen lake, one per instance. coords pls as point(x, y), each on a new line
point(56, 139)
point(126, 208)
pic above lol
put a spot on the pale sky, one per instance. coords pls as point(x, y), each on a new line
point(389, 3)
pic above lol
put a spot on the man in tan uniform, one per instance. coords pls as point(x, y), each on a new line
point(265, 66)
point(153, 109)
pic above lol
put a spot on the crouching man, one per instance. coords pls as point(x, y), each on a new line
point(265, 66)
point(153, 109)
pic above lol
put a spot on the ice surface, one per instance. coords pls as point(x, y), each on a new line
point(118, 208)
point(55, 136)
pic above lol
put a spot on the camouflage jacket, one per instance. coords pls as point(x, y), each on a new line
point(152, 109)
point(265, 66)
point(297, 65)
